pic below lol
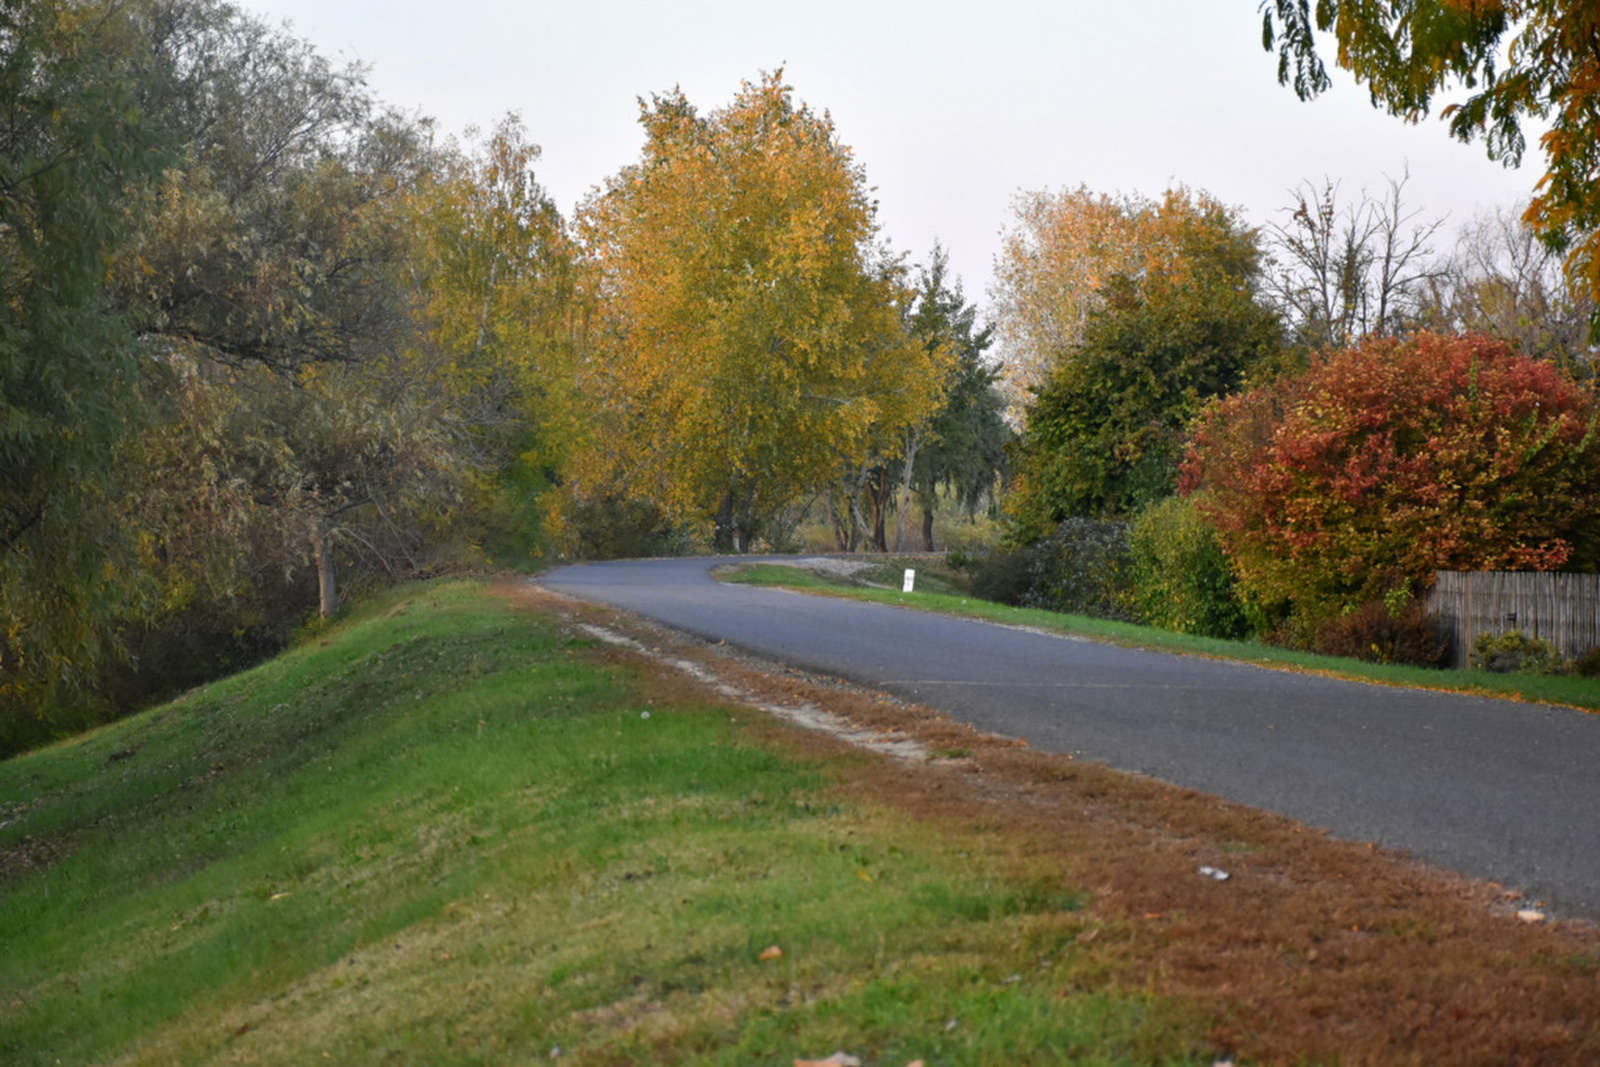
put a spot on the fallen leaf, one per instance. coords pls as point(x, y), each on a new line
point(771, 953)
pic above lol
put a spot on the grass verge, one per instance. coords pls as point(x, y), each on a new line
point(448, 830)
point(938, 595)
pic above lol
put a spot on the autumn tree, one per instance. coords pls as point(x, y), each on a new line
point(1515, 60)
point(1342, 270)
point(1105, 433)
point(1502, 280)
point(1360, 477)
point(1052, 266)
point(75, 146)
point(493, 282)
point(959, 450)
point(749, 340)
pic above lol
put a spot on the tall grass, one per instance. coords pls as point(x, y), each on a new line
point(445, 831)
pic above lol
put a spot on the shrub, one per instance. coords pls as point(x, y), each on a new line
point(1588, 664)
point(1515, 652)
point(1081, 569)
point(1179, 578)
point(1375, 634)
point(1381, 464)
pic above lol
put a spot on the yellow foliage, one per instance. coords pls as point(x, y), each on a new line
point(750, 338)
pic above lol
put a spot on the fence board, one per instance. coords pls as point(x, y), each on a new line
point(1563, 609)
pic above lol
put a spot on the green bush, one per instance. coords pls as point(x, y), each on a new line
point(1515, 652)
point(1179, 578)
point(1588, 664)
point(1080, 569)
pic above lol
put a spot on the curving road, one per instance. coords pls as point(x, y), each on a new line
point(1491, 788)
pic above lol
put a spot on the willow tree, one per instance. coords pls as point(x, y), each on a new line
point(749, 340)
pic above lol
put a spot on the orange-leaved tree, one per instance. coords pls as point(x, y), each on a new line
point(749, 340)
point(1358, 478)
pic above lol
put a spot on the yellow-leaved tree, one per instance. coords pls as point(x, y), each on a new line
point(493, 282)
point(749, 340)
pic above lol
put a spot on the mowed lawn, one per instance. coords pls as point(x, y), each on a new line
point(451, 830)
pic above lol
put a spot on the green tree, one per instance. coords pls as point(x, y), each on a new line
point(964, 451)
point(750, 339)
point(1517, 60)
point(75, 145)
point(272, 239)
point(1105, 434)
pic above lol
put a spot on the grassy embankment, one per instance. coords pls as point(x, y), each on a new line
point(936, 591)
point(450, 831)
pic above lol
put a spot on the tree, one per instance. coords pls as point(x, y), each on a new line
point(269, 241)
point(1048, 277)
point(1501, 280)
point(494, 288)
point(961, 449)
point(750, 341)
point(1360, 477)
point(964, 451)
point(1105, 435)
point(74, 147)
point(1348, 272)
point(1517, 60)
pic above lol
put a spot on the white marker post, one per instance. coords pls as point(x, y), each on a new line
point(911, 579)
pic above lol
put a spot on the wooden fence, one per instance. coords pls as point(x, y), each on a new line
point(1563, 609)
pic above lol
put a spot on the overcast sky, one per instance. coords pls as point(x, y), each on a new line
point(952, 108)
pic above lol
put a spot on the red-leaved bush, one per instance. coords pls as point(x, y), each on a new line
point(1382, 463)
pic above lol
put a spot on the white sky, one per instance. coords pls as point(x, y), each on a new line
point(950, 108)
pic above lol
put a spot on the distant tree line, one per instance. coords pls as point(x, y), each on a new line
point(265, 341)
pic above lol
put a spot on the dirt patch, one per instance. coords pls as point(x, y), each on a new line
point(1312, 949)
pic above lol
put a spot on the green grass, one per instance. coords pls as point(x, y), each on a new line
point(938, 594)
point(446, 831)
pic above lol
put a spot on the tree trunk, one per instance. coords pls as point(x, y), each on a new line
point(322, 552)
point(722, 534)
point(880, 513)
point(907, 470)
point(844, 534)
point(927, 527)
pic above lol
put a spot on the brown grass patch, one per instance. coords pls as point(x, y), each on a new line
point(1313, 950)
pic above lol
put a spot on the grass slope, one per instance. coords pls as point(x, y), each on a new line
point(448, 831)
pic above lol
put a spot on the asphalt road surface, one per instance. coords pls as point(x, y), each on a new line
point(1491, 788)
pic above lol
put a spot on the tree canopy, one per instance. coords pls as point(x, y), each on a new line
point(750, 339)
point(1105, 433)
point(1516, 60)
point(1361, 476)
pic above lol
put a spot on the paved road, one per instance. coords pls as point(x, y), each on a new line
point(1491, 788)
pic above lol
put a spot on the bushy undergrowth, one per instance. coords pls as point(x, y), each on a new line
point(1179, 578)
point(1082, 568)
point(1373, 633)
point(1516, 653)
